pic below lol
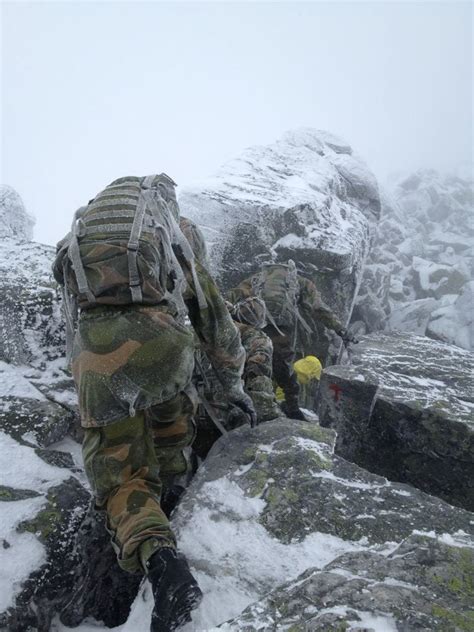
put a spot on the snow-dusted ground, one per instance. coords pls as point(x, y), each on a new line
point(21, 553)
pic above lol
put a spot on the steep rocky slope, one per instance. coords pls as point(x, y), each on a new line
point(419, 272)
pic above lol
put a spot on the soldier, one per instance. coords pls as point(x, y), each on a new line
point(131, 272)
point(250, 317)
point(291, 301)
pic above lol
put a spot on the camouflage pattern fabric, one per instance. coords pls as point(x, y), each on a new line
point(105, 254)
point(309, 301)
point(131, 358)
point(258, 383)
point(126, 463)
point(258, 371)
point(313, 309)
point(194, 235)
point(133, 367)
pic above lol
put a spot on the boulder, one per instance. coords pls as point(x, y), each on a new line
point(412, 316)
point(15, 222)
point(307, 197)
point(425, 584)
point(31, 326)
point(425, 238)
point(404, 409)
point(272, 502)
point(453, 319)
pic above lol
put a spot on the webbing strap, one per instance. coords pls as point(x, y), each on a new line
point(189, 256)
point(304, 324)
point(75, 256)
point(114, 228)
point(132, 247)
point(108, 215)
point(116, 201)
point(148, 181)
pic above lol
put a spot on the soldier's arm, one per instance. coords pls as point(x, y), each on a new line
point(312, 303)
point(217, 333)
point(259, 350)
point(258, 372)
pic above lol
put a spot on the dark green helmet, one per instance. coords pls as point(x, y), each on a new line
point(250, 311)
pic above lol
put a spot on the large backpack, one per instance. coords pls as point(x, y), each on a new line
point(277, 284)
point(126, 247)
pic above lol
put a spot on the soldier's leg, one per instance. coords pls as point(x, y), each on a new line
point(123, 471)
point(173, 431)
point(283, 371)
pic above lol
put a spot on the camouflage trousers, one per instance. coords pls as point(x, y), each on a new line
point(127, 463)
point(283, 358)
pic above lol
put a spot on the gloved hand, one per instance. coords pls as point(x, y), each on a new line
point(347, 337)
point(245, 404)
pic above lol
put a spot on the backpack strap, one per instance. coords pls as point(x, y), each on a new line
point(132, 247)
point(75, 257)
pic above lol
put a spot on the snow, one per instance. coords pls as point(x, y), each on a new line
point(22, 469)
point(236, 560)
point(300, 170)
point(13, 384)
point(369, 621)
point(20, 553)
point(14, 220)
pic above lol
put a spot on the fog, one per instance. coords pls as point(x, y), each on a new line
point(93, 91)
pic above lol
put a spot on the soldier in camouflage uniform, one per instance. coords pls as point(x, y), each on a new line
point(132, 362)
point(249, 316)
point(292, 301)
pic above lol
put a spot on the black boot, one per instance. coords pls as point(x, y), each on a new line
point(170, 497)
point(175, 590)
point(293, 411)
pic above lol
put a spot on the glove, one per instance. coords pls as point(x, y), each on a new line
point(245, 404)
point(347, 337)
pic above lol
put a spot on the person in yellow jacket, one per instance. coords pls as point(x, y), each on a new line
point(308, 372)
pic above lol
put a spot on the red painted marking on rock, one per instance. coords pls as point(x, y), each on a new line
point(337, 391)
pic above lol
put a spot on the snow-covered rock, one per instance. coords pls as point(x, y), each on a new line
point(271, 503)
point(31, 326)
point(15, 222)
point(425, 240)
point(307, 197)
point(404, 409)
point(424, 584)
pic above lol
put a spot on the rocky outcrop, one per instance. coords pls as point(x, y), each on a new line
point(275, 505)
point(404, 409)
point(306, 197)
point(31, 328)
point(424, 584)
point(15, 222)
point(420, 266)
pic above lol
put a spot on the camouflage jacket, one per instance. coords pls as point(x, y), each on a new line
point(257, 377)
point(310, 303)
point(128, 358)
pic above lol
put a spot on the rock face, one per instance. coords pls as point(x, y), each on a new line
point(404, 409)
point(15, 222)
point(425, 584)
point(420, 266)
point(275, 505)
point(307, 197)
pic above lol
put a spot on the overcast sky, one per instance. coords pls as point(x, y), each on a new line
point(93, 91)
